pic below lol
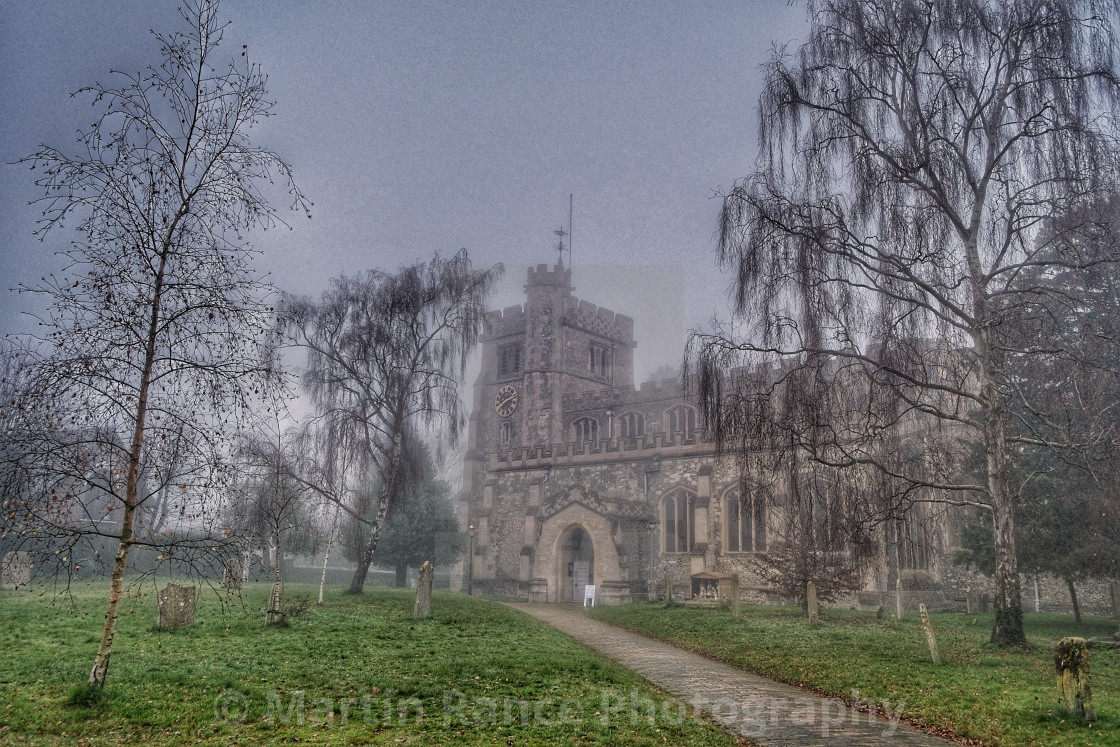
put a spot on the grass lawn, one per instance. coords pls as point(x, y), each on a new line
point(475, 673)
point(979, 691)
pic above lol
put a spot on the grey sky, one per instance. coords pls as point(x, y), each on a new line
point(428, 126)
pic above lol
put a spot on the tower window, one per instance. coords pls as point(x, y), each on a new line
point(509, 360)
point(600, 360)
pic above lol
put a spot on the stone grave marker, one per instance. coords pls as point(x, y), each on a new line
point(16, 570)
point(1071, 662)
point(177, 606)
point(422, 610)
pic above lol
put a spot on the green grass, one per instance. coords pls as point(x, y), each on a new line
point(979, 691)
point(356, 661)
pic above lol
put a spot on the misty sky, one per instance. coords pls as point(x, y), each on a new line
point(418, 127)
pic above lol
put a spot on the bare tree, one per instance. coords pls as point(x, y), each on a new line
point(386, 354)
point(911, 156)
point(273, 507)
point(159, 335)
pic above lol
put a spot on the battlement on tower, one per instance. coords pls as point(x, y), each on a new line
point(507, 321)
point(601, 321)
point(559, 276)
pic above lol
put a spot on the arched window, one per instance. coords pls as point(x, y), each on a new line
point(746, 522)
point(677, 518)
point(681, 419)
point(585, 429)
point(631, 425)
point(599, 360)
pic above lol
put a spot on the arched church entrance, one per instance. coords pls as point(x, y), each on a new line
point(577, 564)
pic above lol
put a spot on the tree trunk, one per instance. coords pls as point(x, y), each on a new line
point(116, 589)
point(402, 575)
point(388, 490)
point(327, 554)
point(1073, 599)
point(358, 581)
point(1008, 628)
point(275, 613)
point(100, 668)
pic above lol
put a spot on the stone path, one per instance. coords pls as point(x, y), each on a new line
point(762, 710)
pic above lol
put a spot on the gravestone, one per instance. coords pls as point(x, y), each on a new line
point(930, 638)
point(231, 575)
point(736, 612)
point(422, 610)
point(16, 570)
point(811, 602)
point(176, 606)
point(1071, 662)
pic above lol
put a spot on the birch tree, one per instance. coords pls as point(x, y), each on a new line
point(912, 153)
point(159, 336)
point(386, 354)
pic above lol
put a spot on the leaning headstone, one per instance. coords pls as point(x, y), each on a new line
point(898, 599)
point(176, 606)
point(811, 602)
point(231, 575)
point(930, 638)
point(1071, 661)
point(15, 573)
point(736, 611)
point(422, 610)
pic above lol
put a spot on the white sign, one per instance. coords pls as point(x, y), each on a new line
point(589, 595)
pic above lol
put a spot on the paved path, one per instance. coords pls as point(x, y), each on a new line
point(762, 710)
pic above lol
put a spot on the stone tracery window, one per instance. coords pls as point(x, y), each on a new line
point(746, 522)
point(585, 429)
point(681, 419)
point(677, 519)
point(631, 425)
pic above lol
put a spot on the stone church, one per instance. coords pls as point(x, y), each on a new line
point(574, 477)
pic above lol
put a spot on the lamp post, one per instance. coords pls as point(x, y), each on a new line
point(470, 562)
point(649, 582)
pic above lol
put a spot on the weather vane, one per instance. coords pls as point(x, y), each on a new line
point(560, 244)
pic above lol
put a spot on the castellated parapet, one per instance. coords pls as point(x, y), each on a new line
point(508, 321)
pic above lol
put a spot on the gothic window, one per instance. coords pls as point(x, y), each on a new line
point(681, 419)
point(746, 523)
point(585, 429)
point(631, 425)
point(677, 517)
point(507, 431)
point(509, 360)
point(600, 363)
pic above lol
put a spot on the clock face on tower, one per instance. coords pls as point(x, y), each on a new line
point(505, 401)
